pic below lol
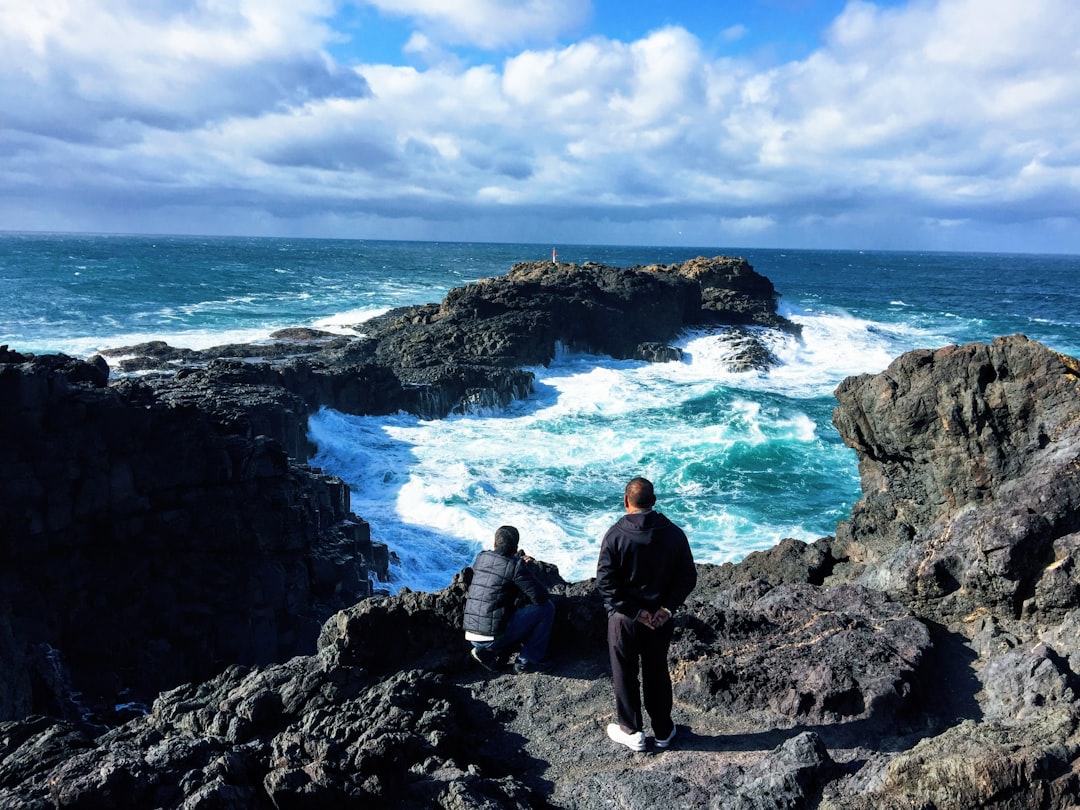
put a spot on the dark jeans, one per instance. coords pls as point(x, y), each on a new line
point(636, 648)
point(530, 624)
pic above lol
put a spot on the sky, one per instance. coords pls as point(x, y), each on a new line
point(899, 125)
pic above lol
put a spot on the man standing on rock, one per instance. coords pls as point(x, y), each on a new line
point(645, 572)
point(496, 621)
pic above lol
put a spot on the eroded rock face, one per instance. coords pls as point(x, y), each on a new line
point(970, 465)
point(145, 541)
point(797, 653)
point(925, 657)
point(471, 350)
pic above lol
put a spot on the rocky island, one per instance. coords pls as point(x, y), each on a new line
point(162, 535)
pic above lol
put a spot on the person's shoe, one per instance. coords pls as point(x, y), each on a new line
point(664, 743)
point(485, 658)
point(634, 740)
point(521, 666)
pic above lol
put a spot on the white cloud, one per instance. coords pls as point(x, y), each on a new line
point(74, 69)
point(959, 111)
point(747, 225)
point(491, 24)
point(733, 33)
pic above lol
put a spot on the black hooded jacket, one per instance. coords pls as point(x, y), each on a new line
point(645, 563)
point(498, 581)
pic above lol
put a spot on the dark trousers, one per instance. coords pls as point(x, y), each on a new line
point(530, 624)
point(634, 649)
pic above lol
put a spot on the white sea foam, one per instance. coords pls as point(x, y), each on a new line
point(198, 339)
point(193, 339)
point(555, 465)
point(345, 322)
point(835, 345)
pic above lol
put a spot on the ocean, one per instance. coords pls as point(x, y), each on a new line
point(741, 460)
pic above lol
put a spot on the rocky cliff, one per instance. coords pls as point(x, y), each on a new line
point(160, 525)
point(473, 349)
point(968, 458)
point(146, 541)
point(925, 657)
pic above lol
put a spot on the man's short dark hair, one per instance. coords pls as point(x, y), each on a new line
point(640, 494)
point(506, 540)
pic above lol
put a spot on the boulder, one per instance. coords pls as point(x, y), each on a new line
point(799, 654)
point(970, 465)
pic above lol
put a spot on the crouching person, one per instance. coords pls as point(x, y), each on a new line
point(507, 606)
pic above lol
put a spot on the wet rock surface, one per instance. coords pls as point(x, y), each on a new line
point(473, 349)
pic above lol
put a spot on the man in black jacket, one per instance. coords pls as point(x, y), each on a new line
point(645, 572)
point(507, 605)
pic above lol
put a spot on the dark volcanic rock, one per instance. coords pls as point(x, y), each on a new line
point(970, 465)
point(788, 778)
point(796, 653)
point(462, 349)
point(147, 541)
point(925, 657)
point(392, 711)
point(472, 350)
point(789, 560)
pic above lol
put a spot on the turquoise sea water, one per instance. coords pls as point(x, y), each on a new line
point(741, 460)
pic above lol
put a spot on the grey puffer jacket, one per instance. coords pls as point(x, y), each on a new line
point(498, 582)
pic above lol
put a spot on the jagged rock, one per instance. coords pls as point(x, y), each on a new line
point(790, 777)
point(788, 561)
point(973, 765)
point(657, 353)
point(472, 350)
point(391, 710)
point(970, 465)
point(1023, 682)
point(796, 653)
point(146, 541)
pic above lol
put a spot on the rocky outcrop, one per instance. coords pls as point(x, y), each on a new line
point(925, 657)
point(414, 723)
point(521, 319)
point(473, 349)
point(970, 462)
point(146, 541)
point(803, 677)
point(159, 526)
point(970, 465)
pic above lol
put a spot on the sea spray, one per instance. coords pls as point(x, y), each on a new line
point(742, 458)
point(736, 460)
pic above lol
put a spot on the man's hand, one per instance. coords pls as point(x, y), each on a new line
point(645, 618)
point(660, 618)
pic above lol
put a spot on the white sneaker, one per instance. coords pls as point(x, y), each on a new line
point(667, 741)
point(635, 740)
